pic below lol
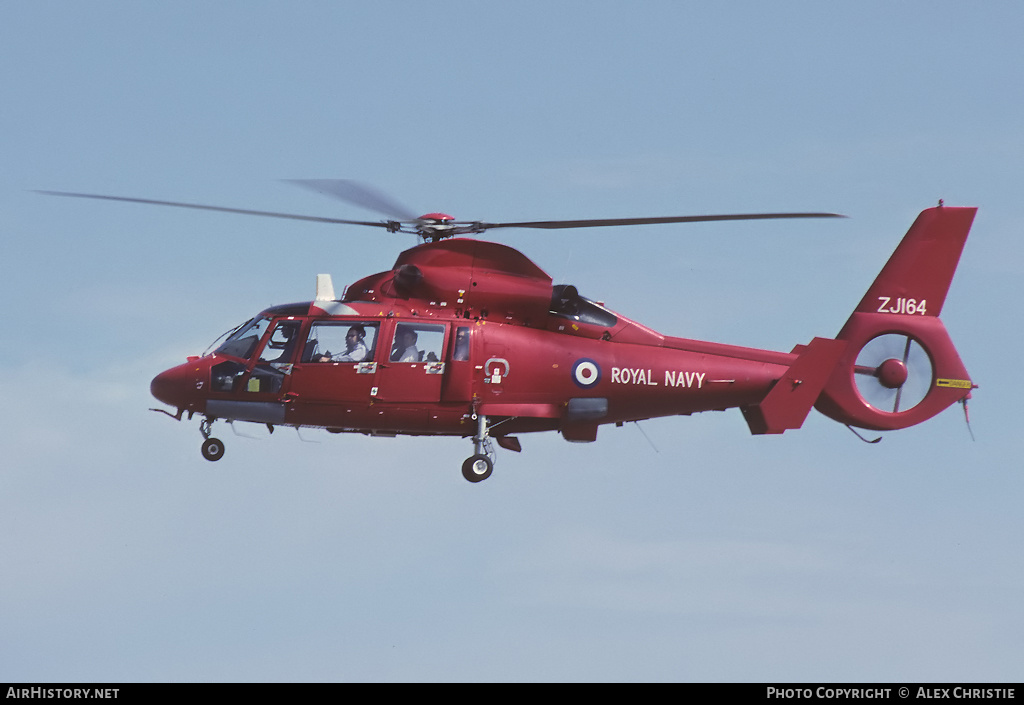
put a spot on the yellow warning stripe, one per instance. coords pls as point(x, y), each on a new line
point(956, 383)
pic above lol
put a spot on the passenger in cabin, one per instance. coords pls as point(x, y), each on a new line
point(355, 347)
point(404, 349)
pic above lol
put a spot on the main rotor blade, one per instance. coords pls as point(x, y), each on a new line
point(221, 209)
point(358, 194)
point(560, 224)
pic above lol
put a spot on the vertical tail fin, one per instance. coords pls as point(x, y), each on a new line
point(900, 367)
point(916, 278)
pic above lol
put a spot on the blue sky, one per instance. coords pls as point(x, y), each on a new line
point(704, 554)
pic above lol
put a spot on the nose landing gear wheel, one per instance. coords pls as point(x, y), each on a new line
point(213, 449)
point(477, 468)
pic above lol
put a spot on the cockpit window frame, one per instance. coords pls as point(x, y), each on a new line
point(234, 347)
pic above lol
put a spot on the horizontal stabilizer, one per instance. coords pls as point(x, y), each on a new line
point(790, 400)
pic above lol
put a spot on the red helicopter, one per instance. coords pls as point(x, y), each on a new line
point(463, 337)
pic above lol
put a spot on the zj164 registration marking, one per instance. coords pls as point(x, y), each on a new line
point(888, 304)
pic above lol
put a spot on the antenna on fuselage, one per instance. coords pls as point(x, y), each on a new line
point(640, 428)
point(324, 288)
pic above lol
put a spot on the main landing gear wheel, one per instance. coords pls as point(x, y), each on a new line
point(480, 465)
point(213, 449)
point(477, 468)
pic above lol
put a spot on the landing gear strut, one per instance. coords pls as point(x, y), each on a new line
point(479, 466)
point(213, 448)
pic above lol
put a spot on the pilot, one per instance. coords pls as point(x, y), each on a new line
point(355, 347)
point(283, 339)
point(405, 346)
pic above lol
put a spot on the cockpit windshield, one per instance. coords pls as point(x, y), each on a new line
point(242, 343)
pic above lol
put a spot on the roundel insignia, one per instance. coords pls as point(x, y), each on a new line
point(586, 373)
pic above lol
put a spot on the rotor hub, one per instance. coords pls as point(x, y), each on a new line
point(892, 374)
point(435, 226)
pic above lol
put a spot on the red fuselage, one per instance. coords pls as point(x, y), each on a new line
point(490, 336)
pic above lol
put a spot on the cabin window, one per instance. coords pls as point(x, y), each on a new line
point(282, 342)
point(266, 378)
point(340, 341)
point(415, 342)
point(226, 375)
point(460, 348)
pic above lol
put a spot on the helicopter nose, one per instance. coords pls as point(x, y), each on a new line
point(174, 386)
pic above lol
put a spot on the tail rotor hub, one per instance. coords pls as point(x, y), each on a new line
point(892, 373)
